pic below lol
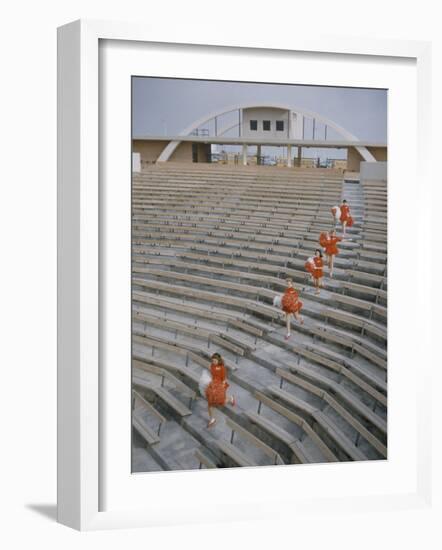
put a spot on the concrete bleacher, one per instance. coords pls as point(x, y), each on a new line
point(211, 247)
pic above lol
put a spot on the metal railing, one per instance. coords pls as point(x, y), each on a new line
point(204, 132)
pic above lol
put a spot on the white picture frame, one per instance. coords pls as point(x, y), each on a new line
point(80, 315)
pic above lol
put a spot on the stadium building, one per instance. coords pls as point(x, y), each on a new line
point(256, 126)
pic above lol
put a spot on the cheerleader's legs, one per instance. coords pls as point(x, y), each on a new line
point(344, 225)
point(229, 399)
point(287, 319)
point(332, 258)
point(212, 419)
point(317, 285)
point(299, 318)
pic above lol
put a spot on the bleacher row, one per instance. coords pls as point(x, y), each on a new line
point(211, 247)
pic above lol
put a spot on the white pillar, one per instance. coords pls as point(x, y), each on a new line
point(136, 162)
point(289, 156)
point(244, 154)
point(296, 132)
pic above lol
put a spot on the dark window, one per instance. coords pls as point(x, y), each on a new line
point(266, 125)
point(194, 152)
point(253, 124)
point(279, 125)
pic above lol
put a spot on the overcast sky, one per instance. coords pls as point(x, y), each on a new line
point(166, 106)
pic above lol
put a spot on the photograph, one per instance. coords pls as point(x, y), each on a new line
point(259, 274)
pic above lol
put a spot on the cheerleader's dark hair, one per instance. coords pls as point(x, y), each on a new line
point(320, 252)
point(218, 356)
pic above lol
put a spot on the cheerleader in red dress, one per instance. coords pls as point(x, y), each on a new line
point(216, 390)
point(345, 217)
point(318, 271)
point(291, 305)
point(329, 242)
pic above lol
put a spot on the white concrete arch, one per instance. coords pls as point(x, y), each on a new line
point(170, 147)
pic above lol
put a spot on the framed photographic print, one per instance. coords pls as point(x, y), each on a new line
point(231, 256)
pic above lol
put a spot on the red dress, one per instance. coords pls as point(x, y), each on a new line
point(290, 302)
point(345, 213)
point(319, 264)
point(216, 390)
point(330, 246)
